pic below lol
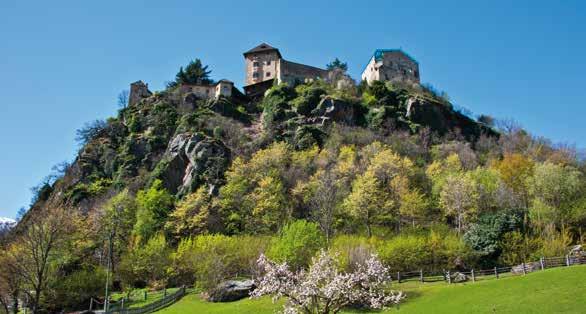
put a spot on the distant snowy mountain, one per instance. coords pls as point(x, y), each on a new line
point(6, 224)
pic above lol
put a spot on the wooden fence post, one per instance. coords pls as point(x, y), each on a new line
point(421, 275)
point(399, 277)
point(567, 260)
point(541, 262)
point(145, 295)
point(496, 273)
point(91, 304)
point(122, 305)
point(524, 271)
point(449, 278)
point(165, 292)
point(473, 277)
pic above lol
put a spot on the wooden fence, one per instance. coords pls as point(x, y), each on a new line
point(149, 308)
point(480, 274)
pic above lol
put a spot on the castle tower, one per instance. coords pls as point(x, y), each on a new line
point(261, 64)
point(138, 91)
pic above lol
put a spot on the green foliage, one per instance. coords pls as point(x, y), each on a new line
point(153, 206)
point(195, 73)
point(73, 291)
point(433, 251)
point(337, 64)
point(308, 96)
point(297, 244)
point(486, 234)
point(352, 250)
point(209, 259)
point(192, 215)
point(254, 198)
point(147, 264)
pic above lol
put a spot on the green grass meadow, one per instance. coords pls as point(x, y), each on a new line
point(559, 290)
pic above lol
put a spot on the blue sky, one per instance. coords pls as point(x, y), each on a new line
point(62, 63)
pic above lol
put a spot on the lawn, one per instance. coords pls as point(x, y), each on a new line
point(559, 290)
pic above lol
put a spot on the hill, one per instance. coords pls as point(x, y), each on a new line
point(552, 291)
point(177, 189)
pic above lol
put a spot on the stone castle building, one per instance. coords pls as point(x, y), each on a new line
point(265, 65)
point(391, 65)
point(208, 91)
point(138, 91)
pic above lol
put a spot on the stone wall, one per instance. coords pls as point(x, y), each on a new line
point(291, 72)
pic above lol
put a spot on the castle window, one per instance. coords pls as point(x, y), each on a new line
point(255, 64)
point(269, 62)
point(255, 74)
point(268, 74)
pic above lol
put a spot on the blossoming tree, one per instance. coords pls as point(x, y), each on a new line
point(323, 289)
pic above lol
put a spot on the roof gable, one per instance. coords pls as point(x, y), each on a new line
point(264, 47)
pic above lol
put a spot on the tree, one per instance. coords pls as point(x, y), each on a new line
point(192, 215)
point(337, 64)
point(515, 171)
point(459, 198)
point(324, 202)
point(89, 131)
point(195, 73)
point(297, 244)
point(555, 186)
point(323, 289)
point(10, 283)
point(374, 197)
point(123, 99)
point(35, 249)
point(413, 204)
point(153, 206)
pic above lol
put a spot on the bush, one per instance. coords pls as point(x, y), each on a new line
point(352, 250)
point(208, 260)
point(73, 291)
point(308, 99)
point(147, 264)
point(297, 244)
point(435, 251)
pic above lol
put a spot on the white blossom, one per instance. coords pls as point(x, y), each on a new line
point(323, 289)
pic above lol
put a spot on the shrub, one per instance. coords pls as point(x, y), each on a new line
point(405, 253)
point(439, 249)
point(352, 250)
point(297, 244)
point(210, 259)
point(147, 264)
point(308, 98)
point(73, 291)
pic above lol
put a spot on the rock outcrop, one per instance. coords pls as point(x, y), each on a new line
point(231, 290)
point(337, 110)
point(192, 160)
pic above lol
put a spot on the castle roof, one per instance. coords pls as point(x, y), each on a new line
point(379, 53)
point(264, 47)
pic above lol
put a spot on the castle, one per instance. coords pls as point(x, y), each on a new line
point(265, 66)
point(391, 65)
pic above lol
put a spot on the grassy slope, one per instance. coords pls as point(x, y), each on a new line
point(560, 290)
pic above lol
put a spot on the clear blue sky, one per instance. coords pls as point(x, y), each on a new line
point(62, 63)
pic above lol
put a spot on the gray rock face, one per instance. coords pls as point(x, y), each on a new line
point(193, 160)
point(6, 224)
point(231, 290)
point(458, 277)
point(335, 110)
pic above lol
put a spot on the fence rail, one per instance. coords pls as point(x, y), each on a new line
point(481, 274)
point(149, 308)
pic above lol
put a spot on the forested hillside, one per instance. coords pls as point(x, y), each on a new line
point(178, 191)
